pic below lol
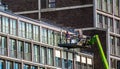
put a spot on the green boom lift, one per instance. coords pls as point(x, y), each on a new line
point(91, 41)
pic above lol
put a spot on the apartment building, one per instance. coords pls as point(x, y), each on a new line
point(26, 43)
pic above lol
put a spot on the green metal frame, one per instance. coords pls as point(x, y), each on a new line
point(95, 39)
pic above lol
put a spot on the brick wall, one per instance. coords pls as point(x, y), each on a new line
point(72, 18)
point(21, 5)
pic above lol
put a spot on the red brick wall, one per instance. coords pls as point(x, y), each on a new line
point(21, 5)
point(72, 18)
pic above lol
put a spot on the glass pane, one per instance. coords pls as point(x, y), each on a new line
point(36, 33)
point(27, 51)
point(20, 49)
point(9, 65)
point(36, 53)
point(17, 66)
point(5, 24)
point(1, 64)
point(13, 26)
point(13, 48)
point(21, 29)
point(43, 55)
point(44, 35)
point(50, 56)
point(28, 31)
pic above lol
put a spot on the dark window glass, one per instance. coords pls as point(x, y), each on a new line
point(36, 33)
point(21, 29)
point(36, 53)
point(17, 65)
point(26, 66)
point(5, 24)
point(13, 48)
point(3, 46)
point(13, 26)
point(27, 51)
point(20, 46)
point(28, 31)
point(50, 37)
point(2, 64)
point(9, 65)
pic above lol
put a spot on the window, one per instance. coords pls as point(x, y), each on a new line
point(50, 37)
point(5, 24)
point(28, 31)
point(99, 4)
point(117, 26)
point(35, 33)
point(116, 7)
point(118, 46)
point(13, 48)
point(17, 65)
point(43, 55)
point(34, 67)
point(2, 64)
point(51, 3)
point(27, 51)
point(78, 62)
point(56, 38)
point(104, 5)
point(110, 6)
point(57, 58)
point(105, 21)
point(111, 24)
point(20, 46)
point(50, 56)
point(26, 66)
point(83, 62)
point(13, 26)
point(64, 61)
point(21, 28)
point(36, 53)
point(112, 45)
point(70, 61)
point(9, 65)
point(3, 46)
point(100, 21)
point(44, 35)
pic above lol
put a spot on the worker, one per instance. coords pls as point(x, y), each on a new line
point(67, 37)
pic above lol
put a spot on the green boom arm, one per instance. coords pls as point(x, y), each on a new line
point(96, 39)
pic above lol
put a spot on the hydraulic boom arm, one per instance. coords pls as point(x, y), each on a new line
point(96, 39)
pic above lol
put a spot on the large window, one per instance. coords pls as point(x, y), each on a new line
point(26, 66)
point(112, 45)
point(117, 26)
point(118, 46)
point(50, 56)
point(36, 33)
point(105, 21)
point(70, 61)
point(9, 65)
point(27, 51)
point(13, 26)
point(3, 46)
point(17, 65)
point(99, 4)
point(13, 48)
point(64, 60)
point(34, 67)
point(100, 21)
point(110, 20)
point(104, 5)
point(50, 37)
point(43, 55)
point(78, 62)
point(44, 35)
point(56, 38)
point(28, 31)
point(110, 6)
point(5, 24)
point(2, 64)
point(20, 46)
point(57, 58)
point(36, 53)
point(21, 31)
point(116, 11)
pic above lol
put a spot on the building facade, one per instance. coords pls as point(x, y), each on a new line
point(26, 43)
point(80, 14)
